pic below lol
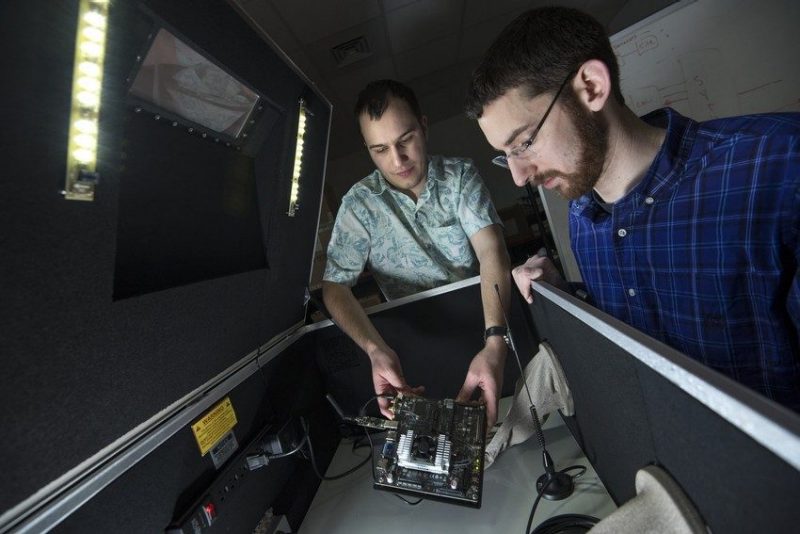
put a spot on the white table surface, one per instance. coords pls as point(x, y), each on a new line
point(351, 505)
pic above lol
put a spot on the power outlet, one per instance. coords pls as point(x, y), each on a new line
point(286, 439)
point(206, 510)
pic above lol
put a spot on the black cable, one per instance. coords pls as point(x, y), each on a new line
point(291, 452)
point(572, 468)
point(363, 409)
point(355, 446)
point(560, 523)
point(314, 460)
point(359, 442)
point(414, 503)
point(535, 504)
point(567, 523)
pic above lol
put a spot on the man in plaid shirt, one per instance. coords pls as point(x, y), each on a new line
point(687, 231)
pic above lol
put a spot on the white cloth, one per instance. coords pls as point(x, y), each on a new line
point(550, 392)
point(660, 507)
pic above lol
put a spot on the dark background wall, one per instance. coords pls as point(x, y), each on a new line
point(164, 485)
point(82, 367)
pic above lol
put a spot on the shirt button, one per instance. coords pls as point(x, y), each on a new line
point(622, 232)
point(632, 292)
point(649, 200)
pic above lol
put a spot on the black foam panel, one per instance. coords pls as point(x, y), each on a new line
point(81, 369)
point(435, 338)
point(736, 483)
point(628, 416)
point(159, 488)
point(610, 421)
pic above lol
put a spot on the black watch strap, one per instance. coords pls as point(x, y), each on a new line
point(495, 331)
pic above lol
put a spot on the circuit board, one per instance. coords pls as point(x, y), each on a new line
point(435, 452)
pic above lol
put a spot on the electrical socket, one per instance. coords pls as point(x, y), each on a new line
point(204, 512)
point(286, 439)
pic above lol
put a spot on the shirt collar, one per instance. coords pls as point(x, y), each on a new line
point(377, 184)
point(669, 161)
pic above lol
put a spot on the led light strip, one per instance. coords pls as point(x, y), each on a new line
point(294, 195)
point(87, 85)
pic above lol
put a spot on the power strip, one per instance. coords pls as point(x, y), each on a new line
point(206, 510)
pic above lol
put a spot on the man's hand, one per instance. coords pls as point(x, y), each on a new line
point(387, 376)
point(536, 268)
point(347, 313)
point(486, 373)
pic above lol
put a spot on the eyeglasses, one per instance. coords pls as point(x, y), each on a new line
point(521, 150)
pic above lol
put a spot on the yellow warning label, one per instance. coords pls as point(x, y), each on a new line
point(214, 425)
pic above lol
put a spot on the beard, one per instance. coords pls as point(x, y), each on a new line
point(592, 146)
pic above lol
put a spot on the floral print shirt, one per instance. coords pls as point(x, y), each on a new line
point(411, 247)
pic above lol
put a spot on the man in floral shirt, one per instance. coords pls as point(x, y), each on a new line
point(420, 222)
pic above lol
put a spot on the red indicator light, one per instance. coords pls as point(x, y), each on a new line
point(210, 511)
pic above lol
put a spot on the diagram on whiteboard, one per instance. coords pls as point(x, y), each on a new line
point(713, 58)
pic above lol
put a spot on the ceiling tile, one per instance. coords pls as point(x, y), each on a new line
point(314, 19)
point(633, 12)
point(266, 18)
point(447, 99)
point(603, 10)
point(479, 37)
point(307, 67)
point(456, 74)
point(433, 56)
point(346, 86)
point(481, 11)
point(373, 31)
point(391, 5)
point(420, 22)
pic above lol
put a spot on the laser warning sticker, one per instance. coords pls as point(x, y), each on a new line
point(214, 425)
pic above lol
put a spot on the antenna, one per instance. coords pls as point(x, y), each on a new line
point(552, 485)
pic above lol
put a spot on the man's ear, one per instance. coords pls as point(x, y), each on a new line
point(593, 84)
point(423, 121)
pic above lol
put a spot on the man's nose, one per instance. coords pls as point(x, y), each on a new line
point(520, 171)
point(398, 156)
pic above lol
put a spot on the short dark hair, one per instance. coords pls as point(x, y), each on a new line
point(536, 52)
point(374, 98)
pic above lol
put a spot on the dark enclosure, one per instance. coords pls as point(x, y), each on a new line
point(185, 262)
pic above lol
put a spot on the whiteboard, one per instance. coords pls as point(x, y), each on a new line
point(713, 58)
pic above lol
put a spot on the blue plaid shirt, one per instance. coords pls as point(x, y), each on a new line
point(703, 253)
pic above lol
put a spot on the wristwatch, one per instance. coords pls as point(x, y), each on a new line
point(496, 331)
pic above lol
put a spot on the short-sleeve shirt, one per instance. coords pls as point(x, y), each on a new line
point(703, 253)
point(411, 247)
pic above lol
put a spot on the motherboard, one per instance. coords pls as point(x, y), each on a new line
point(436, 451)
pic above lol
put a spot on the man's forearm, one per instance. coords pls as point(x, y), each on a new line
point(494, 306)
point(495, 269)
point(348, 314)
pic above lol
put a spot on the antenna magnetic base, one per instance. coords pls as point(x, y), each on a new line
point(558, 486)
